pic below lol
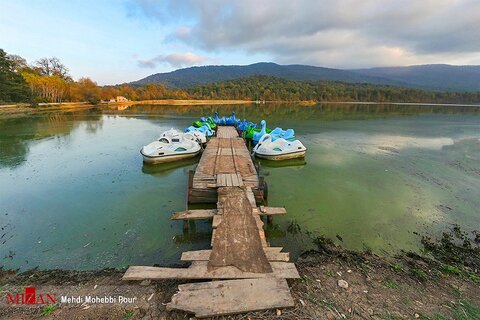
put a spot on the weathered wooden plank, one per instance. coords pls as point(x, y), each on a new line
point(251, 197)
point(237, 241)
point(202, 195)
point(271, 211)
point(199, 270)
point(217, 218)
point(231, 296)
point(203, 255)
point(238, 178)
point(234, 178)
point(194, 214)
point(213, 237)
point(229, 180)
point(227, 132)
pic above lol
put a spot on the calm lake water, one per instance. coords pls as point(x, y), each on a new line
point(75, 194)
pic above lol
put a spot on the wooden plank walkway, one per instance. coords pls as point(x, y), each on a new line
point(253, 273)
point(225, 162)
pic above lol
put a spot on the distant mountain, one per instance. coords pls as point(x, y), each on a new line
point(433, 77)
point(194, 76)
point(442, 77)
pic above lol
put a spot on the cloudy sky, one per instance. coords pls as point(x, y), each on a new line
point(115, 41)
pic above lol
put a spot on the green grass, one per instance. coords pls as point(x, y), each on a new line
point(463, 310)
point(420, 274)
point(128, 315)
point(329, 273)
point(49, 309)
point(396, 267)
point(458, 292)
point(389, 283)
point(458, 271)
point(467, 311)
point(305, 279)
point(475, 278)
point(451, 269)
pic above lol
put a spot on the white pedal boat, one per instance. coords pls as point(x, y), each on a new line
point(171, 146)
point(280, 149)
point(201, 137)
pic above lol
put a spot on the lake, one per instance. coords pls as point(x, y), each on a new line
point(75, 194)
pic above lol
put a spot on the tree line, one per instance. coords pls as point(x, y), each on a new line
point(270, 88)
point(48, 80)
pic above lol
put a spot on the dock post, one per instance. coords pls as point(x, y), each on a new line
point(269, 219)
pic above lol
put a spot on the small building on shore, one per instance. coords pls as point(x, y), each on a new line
point(121, 99)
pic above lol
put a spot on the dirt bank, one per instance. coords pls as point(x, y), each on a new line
point(407, 286)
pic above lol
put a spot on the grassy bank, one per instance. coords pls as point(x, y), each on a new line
point(407, 286)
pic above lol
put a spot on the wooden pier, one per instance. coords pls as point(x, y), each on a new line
point(249, 274)
point(225, 162)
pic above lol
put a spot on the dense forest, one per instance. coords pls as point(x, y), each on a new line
point(48, 80)
point(272, 88)
point(436, 77)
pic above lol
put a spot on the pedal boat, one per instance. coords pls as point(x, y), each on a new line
point(171, 147)
point(280, 149)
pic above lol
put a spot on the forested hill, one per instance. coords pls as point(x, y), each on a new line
point(193, 76)
point(431, 77)
point(274, 89)
point(439, 77)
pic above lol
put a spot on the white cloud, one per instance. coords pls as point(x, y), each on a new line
point(176, 60)
point(342, 33)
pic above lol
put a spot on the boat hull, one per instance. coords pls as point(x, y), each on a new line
point(168, 158)
point(275, 157)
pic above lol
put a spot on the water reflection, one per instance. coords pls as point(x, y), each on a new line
point(76, 195)
point(17, 134)
point(163, 169)
point(280, 164)
point(274, 112)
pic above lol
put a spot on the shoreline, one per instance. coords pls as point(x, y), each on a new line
point(21, 109)
point(42, 106)
point(406, 286)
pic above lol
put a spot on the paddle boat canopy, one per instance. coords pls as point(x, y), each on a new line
point(288, 134)
point(201, 133)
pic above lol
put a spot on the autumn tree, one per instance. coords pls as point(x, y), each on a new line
point(52, 67)
point(85, 90)
point(47, 88)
